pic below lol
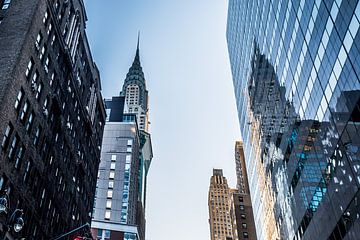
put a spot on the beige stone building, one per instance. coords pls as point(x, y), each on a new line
point(219, 207)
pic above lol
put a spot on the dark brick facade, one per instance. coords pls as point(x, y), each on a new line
point(49, 158)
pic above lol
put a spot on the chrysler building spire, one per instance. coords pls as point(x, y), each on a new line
point(135, 92)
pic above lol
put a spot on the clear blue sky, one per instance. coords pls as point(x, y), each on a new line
point(193, 115)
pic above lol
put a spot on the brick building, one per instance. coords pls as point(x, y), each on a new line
point(51, 114)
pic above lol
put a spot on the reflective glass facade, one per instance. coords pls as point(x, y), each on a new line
point(296, 67)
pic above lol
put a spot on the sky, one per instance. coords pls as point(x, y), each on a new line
point(193, 115)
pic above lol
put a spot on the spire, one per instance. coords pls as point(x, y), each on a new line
point(137, 48)
point(137, 56)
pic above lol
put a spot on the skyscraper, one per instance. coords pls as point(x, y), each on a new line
point(135, 92)
point(296, 81)
point(241, 212)
point(219, 207)
point(119, 211)
point(51, 115)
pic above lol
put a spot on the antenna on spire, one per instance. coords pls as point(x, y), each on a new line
point(138, 40)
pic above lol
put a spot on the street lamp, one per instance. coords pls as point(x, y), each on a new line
point(15, 222)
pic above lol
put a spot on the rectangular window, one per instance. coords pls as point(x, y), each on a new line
point(112, 166)
point(244, 225)
point(46, 64)
point(108, 203)
point(24, 111)
point(29, 122)
point(19, 156)
point(38, 91)
point(110, 193)
point(38, 41)
point(111, 184)
point(112, 175)
point(242, 207)
point(37, 136)
point(34, 80)
point(6, 137)
point(42, 52)
point(53, 39)
point(6, 4)
point(12, 148)
point(107, 214)
point(243, 216)
point(29, 68)
point(245, 234)
point(99, 233)
point(49, 29)
point(113, 157)
point(107, 234)
point(52, 78)
point(45, 18)
point(19, 99)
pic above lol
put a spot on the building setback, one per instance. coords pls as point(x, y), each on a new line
point(119, 212)
point(51, 115)
point(296, 81)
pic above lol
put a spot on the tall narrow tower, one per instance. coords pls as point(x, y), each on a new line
point(219, 207)
point(135, 93)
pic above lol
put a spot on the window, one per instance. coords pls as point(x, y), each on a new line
point(29, 122)
point(45, 18)
point(243, 216)
point(107, 234)
point(245, 234)
point(113, 157)
point(112, 166)
point(99, 233)
point(34, 80)
point(38, 41)
point(52, 78)
point(13, 147)
point(42, 52)
point(129, 142)
point(18, 99)
point(19, 156)
point(112, 175)
point(111, 184)
point(244, 225)
point(49, 29)
point(53, 39)
point(38, 91)
point(242, 207)
point(29, 68)
point(6, 137)
point(6, 4)
point(24, 111)
point(46, 65)
point(37, 136)
point(108, 203)
point(110, 193)
point(241, 199)
point(128, 149)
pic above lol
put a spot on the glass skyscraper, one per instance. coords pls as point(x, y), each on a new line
point(296, 67)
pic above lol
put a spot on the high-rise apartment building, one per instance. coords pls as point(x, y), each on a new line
point(119, 212)
point(241, 211)
point(296, 81)
point(51, 115)
point(219, 207)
